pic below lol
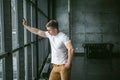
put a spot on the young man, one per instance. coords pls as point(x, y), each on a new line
point(61, 49)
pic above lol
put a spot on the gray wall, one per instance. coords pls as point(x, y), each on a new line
point(61, 14)
point(90, 21)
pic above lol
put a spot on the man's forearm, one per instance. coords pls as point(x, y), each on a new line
point(31, 29)
point(70, 56)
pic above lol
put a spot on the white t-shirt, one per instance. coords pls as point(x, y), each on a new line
point(59, 51)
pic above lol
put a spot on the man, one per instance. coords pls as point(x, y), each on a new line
point(61, 49)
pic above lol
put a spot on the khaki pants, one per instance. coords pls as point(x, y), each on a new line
point(59, 72)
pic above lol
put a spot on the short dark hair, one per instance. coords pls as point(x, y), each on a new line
point(53, 24)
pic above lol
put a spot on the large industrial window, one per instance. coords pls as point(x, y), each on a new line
point(24, 57)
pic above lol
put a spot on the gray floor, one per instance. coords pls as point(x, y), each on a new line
point(95, 69)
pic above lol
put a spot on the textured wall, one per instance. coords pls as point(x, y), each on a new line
point(95, 21)
point(91, 21)
point(61, 14)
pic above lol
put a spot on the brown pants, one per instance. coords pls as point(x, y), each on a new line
point(59, 72)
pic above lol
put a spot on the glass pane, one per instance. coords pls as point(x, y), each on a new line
point(0, 35)
point(14, 23)
point(15, 66)
point(1, 49)
point(1, 69)
point(0, 26)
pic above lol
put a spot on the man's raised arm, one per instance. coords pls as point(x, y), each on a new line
point(33, 30)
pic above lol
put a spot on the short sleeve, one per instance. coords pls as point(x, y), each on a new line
point(66, 39)
point(47, 34)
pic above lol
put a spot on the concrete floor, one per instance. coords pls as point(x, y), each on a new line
point(95, 69)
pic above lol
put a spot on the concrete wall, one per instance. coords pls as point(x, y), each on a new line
point(61, 14)
point(90, 21)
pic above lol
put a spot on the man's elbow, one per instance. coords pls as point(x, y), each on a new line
point(72, 50)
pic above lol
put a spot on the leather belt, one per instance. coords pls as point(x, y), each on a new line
point(57, 65)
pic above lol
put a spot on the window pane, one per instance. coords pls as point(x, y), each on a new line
point(1, 49)
point(1, 69)
point(0, 36)
point(15, 73)
point(14, 23)
point(0, 26)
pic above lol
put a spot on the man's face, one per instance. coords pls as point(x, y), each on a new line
point(51, 31)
